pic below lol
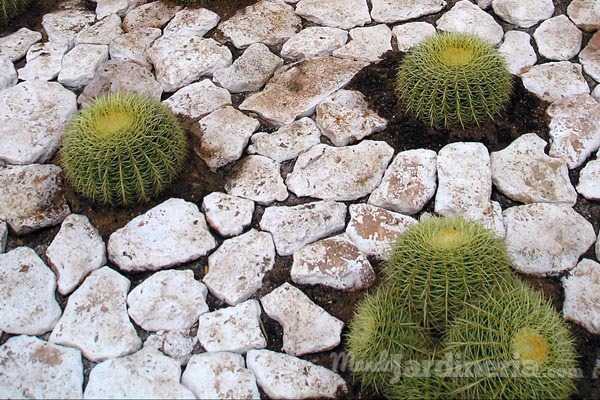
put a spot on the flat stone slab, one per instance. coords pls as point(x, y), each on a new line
point(518, 53)
point(585, 14)
point(119, 7)
point(44, 61)
point(192, 21)
point(8, 73)
point(410, 34)
point(178, 345)
point(340, 173)
point(80, 64)
point(367, 44)
point(198, 99)
point(582, 295)
point(567, 235)
point(133, 46)
point(34, 368)
point(257, 178)
point(76, 250)
point(226, 214)
point(220, 375)
point(589, 57)
point(277, 374)
point(558, 38)
point(314, 41)
point(391, 11)
point(523, 14)
point(155, 14)
point(469, 18)
point(523, 172)
point(27, 285)
point(555, 80)
point(33, 115)
point(31, 197)
point(233, 329)
point(236, 269)
point(146, 243)
point(167, 300)
point(63, 25)
point(296, 89)
point(343, 14)
point(15, 45)
point(589, 181)
point(307, 328)
point(95, 319)
point(102, 32)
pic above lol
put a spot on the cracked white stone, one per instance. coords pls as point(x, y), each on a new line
point(596, 93)
point(366, 44)
point(555, 80)
point(257, 178)
point(15, 45)
point(226, 214)
point(524, 173)
point(589, 57)
point(3, 236)
point(340, 173)
point(237, 268)
point(155, 14)
point(585, 14)
point(582, 295)
point(95, 319)
point(119, 7)
point(589, 181)
point(167, 300)
point(8, 73)
point(233, 329)
point(314, 41)
point(80, 64)
point(410, 34)
point(102, 32)
point(146, 243)
point(44, 61)
point(567, 235)
point(76, 250)
point(343, 14)
point(469, 18)
point(345, 117)
point(558, 38)
point(220, 375)
point(517, 51)
point(391, 11)
point(523, 14)
point(178, 345)
point(192, 21)
point(27, 285)
point(198, 99)
point(34, 368)
point(307, 328)
point(133, 46)
point(63, 25)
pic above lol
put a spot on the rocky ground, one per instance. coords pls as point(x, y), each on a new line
point(241, 279)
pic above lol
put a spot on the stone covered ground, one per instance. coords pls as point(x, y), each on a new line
point(241, 279)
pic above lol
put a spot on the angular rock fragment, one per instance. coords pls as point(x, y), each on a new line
point(343, 14)
point(80, 64)
point(257, 178)
point(44, 61)
point(155, 14)
point(314, 41)
point(555, 80)
point(468, 18)
point(198, 99)
point(518, 53)
point(133, 46)
point(558, 38)
point(192, 21)
point(390, 11)
point(367, 44)
point(523, 14)
point(582, 295)
point(226, 214)
point(585, 14)
point(589, 181)
point(15, 45)
point(589, 57)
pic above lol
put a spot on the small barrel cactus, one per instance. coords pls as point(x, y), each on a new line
point(454, 80)
point(123, 149)
point(11, 8)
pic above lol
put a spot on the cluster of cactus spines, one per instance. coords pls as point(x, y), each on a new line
point(454, 80)
point(123, 149)
point(10, 9)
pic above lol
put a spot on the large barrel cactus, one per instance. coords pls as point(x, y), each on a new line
point(11, 8)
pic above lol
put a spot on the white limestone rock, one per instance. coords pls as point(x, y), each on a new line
point(589, 57)
point(31, 197)
point(277, 374)
point(133, 46)
point(555, 80)
point(517, 51)
point(410, 34)
point(287, 142)
point(8, 74)
point(340, 173)
point(585, 14)
point(345, 117)
point(314, 41)
point(391, 11)
point(343, 14)
point(76, 250)
point(335, 262)
point(226, 214)
point(119, 7)
point(582, 295)
point(192, 21)
point(220, 375)
point(484, 4)
point(167, 300)
point(574, 128)
point(146, 243)
point(34, 368)
point(178, 345)
point(596, 93)
point(523, 172)
point(375, 230)
point(14, 46)
point(469, 18)
point(3, 238)
point(44, 61)
point(589, 181)
point(102, 32)
point(236, 269)
point(27, 285)
point(233, 329)
point(558, 38)
point(80, 64)
point(63, 25)
point(155, 14)
point(270, 22)
point(523, 14)
point(257, 178)
point(367, 44)
point(33, 116)
point(198, 99)
point(546, 239)
point(307, 328)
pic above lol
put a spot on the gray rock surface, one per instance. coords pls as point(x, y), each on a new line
point(555, 80)
point(226, 214)
point(558, 38)
point(80, 64)
point(15, 45)
point(44, 61)
point(469, 18)
point(314, 41)
point(257, 178)
point(154, 14)
point(366, 43)
point(390, 11)
point(589, 181)
point(582, 295)
point(589, 57)
point(8, 74)
point(523, 14)
point(343, 14)
point(192, 21)
point(198, 99)
point(133, 46)
point(585, 14)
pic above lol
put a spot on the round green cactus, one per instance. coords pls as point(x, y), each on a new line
point(510, 345)
point(10, 9)
point(123, 149)
point(454, 80)
point(442, 262)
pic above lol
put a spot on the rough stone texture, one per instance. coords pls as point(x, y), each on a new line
point(192, 21)
point(567, 235)
point(596, 93)
point(63, 25)
point(76, 250)
point(44, 61)
point(146, 243)
point(410, 34)
point(102, 32)
point(3, 236)
point(343, 14)
point(523, 172)
point(133, 46)
point(307, 328)
point(257, 178)
point(391, 11)
point(518, 52)
point(220, 375)
point(223, 136)
point(236, 269)
point(589, 181)
point(374, 230)
point(226, 214)
point(119, 7)
point(31, 197)
point(8, 74)
point(270, 22)
point(234, 329)
point(558, 38)
point(585, 14)
point(408, 183)
point(314, 41)
point(574, 128)
point(345, 173)
point(95, 319)
point(277, 374)
point(524, 14)
point(345, 117)
point(175, 344)
point(33, 368)
point(80, 64)
point(295, 226)
point(15, 45)
point(198, 99)
point(582, 295)
point(155, 14)
point(589, 57)
point(287, 142)
point(28, 135)
point(469, 18)
point(554, 81)
point(367, 44)
point(296, 89)
point(27, 285)
point(167, 300)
